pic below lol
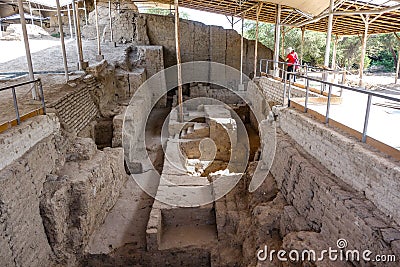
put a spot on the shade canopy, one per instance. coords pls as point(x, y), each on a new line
point(310, 14)
point(311, 7)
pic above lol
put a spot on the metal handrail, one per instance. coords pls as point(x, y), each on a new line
point(307, 67)
point(12, 87)
point(330, 85)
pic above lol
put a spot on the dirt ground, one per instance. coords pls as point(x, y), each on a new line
point(46, 58)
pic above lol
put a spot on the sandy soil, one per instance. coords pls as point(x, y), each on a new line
point(46, 56)
point(132, 210)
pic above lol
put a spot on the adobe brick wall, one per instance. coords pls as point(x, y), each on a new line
point(328, 205)
point(18, 140)
point(23, 241)
point(274, 90)
point(367, 171)
point(77, 109)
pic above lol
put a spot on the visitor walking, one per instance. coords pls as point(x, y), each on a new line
point(292, 60)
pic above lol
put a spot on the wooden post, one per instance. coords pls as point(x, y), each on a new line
point(329, 34)
point(283, 42)
point(40, 16)
point(81, 64)
point(277, 37)
point(397, 66)
point(178, 60)
point(30, 11)
point(60, 27)
point(256, 44)
point(70, 23)
point(334, 55)
point(241, 52)
point(27, 49)
point(86, 15)
point(99, 56)
point(396, 77)
point(303, 31)
point(363, 48)
point(111, 25)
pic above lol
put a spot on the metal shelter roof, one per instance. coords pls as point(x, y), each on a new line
point(311, 14)
point(51, 3)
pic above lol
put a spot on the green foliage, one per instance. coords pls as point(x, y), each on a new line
point(349, 52)
point(381, 49)
point(165, 12)
point(56, 35)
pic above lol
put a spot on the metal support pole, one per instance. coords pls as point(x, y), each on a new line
point(284, 87)
point(42, 96)
point(306, 100)
point(283, 42)
point(70, 23)
point(27, 49)
point(364, 135)
point(1, 31)
point(277, 37)
point(303, 31)
point(41, 20)
point(99, 56)
point(30, 11)
point(329, 34)
point(129, 86)
point(328, 105)
point(363, 49)
point(111, 25)
point(86, 15)
point(288, 93)
point(241, 53)
point(256, 43)
point(335, 43)
point(60, 27)
point(178, 60)
point(16, 105)
point(397, 67)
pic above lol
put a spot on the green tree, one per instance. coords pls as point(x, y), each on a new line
point(314, 42)
point(382, 51)
point(165, 12)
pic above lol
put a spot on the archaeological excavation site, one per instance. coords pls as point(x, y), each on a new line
point(132, 134)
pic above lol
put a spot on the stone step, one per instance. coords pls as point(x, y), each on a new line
point(199, 130)
point(183, 133)
point(177, 237)
point(190, 130)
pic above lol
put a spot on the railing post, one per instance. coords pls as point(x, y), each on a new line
point(129, 86)
point(42, 96)
point(306, 101)
point(284, 87)
point(290, 87)
point(328, 106)
point(16, 105)
point(364, 135)
point(307, 70)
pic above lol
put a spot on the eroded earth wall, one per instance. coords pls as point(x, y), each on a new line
point(200, 42)
point(23, 241)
